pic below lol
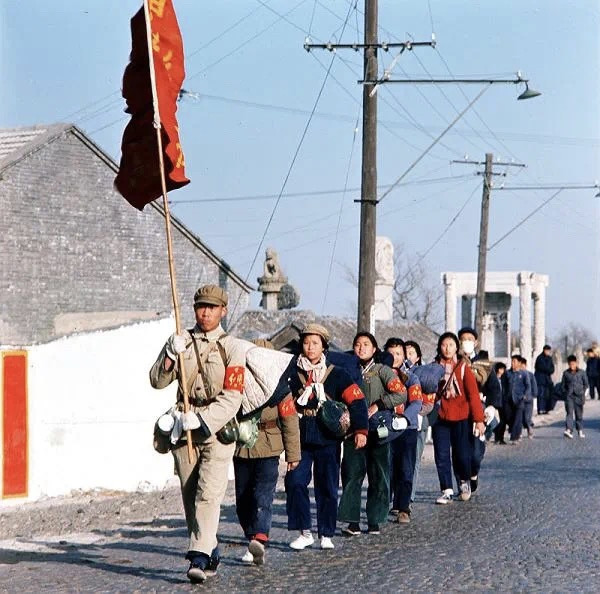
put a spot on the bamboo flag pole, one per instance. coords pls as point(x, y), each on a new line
point(163, 183)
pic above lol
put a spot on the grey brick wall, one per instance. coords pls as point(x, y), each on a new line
point(71, 244)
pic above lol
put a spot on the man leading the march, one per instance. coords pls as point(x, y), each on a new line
point(214, 370)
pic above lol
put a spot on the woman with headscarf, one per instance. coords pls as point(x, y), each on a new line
point(383, 391)
point(459, 404)
point(313, 382)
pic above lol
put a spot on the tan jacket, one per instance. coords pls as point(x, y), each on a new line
point(279, 430)
point(217, 394)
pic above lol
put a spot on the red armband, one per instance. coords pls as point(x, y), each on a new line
point(429, 398)
point(415, 393)
point(234, 379)
point(395, 385)
point(286, 408)
point(399, 409)
point(352, 393)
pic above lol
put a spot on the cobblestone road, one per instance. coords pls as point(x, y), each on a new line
point(534, 526)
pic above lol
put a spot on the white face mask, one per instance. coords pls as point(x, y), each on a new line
point(468, 347)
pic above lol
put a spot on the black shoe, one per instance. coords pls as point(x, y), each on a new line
point(353, 529)
point(213, 563)
point(373, 529)
point(474, 484)
point(199, 564)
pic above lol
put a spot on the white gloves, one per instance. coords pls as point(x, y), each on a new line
point(190, 421)
point(175, 345)
point(399, 423)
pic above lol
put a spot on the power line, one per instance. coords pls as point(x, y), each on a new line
point(270, 220)
point(525, 219)
point(337, 230)
point(433, 143)
point(250, 39)
point(313, 192)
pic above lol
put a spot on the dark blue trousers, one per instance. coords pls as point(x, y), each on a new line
point(543, 398)
point(528, 414)
point(516, 419)
point(477, 454)
point(452, 436)
point(255, 482)
point(324, 461)
point(404, 455)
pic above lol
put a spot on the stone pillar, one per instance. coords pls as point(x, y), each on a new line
point(466, 317)
point(450, 301)
point(384, 279)
point(539, 320)
point(525, 315)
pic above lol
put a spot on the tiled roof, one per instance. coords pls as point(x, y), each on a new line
point(15, 143)
point(265, 324)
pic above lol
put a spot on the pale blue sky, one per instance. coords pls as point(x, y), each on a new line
point(257, 86)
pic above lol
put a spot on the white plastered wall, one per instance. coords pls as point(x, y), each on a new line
point(92, 412)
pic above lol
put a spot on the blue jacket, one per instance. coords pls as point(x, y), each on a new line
point(533, 387)
point(518, 385)
point(574, 384)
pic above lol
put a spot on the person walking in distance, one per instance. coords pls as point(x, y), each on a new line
point(544, 368)
point(592, 370)
point(574, 384)
point(518, 386)
point(529, 398)
point(214, 368)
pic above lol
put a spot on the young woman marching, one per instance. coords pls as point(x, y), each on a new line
point(312, 382)
point(458, 401)
point(383, 390)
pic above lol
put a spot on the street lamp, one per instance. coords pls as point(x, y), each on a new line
point(366, 290)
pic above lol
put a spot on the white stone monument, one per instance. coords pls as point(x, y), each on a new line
point(384, 279)
point(500, 288)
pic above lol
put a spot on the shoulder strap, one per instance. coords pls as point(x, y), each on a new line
point(327, 372)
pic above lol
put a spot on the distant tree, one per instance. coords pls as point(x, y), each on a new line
point(414, 298)
point(288, 297)
point(572, 336)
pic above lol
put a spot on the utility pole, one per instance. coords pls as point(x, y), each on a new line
point(368, 197)
point(483, 233)
point(483, 241)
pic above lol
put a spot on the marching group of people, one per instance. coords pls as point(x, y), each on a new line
point(364, 413)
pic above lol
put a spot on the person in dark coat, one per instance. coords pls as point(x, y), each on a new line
point(574, 383)
point(499, 376)
point(518, 386)
point(592, 370)
point(544, 368)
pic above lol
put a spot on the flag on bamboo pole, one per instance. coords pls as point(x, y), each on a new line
point(138, 180)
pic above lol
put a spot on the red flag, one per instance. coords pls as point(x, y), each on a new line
point(138, 180)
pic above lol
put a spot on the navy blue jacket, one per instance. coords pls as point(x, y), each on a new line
point(492, 390)
point(592, 367)
point(338, 386)
point(544, 368)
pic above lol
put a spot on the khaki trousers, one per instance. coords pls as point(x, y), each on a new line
point(203, 486)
